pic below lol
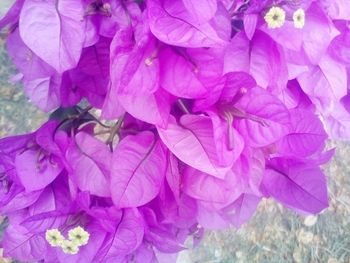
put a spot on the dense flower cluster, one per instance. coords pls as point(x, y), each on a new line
point(206, 107)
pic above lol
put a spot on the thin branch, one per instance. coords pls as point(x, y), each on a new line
point(182, 106)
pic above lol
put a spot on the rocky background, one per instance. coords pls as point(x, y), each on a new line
point(274, 235)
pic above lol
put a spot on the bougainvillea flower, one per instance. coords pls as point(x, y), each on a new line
point(171, 117)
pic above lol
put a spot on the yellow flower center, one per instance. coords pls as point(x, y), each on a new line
point(69, 247)
point(79, 236)
point(299, 18)
point(54, 237)
point(275, 17)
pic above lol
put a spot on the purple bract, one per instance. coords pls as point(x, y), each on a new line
point(168, 117)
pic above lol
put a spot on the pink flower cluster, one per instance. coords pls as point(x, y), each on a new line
point(207, 106)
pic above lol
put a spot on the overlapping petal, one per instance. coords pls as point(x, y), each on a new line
point(173, 117)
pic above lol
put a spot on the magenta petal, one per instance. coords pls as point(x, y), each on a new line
point(300, 187)
point(29, 64)
point(191, 73)
point(144, 254)
point(325, 83)
point(54, 197)
point(41, 222)
point(244, 208)
point(228, 142)
point(91, 75)
point(269, 119)
point(171, 23)
point(134, 65)
point(164, 240)
point(237, 213)
point(315, 45)
point(44, 92)
point(54, 31)
point(173, 176)
point(237, 55)
point(213, 193)
point(45, 137)
point(306, 137)
point(174, 65)
point(193, 143)
point(117, 18)
point(153, 108)
point(95, 148)
point(250, 168)
point(125, 239)
point(338, 123)
point(337, 9)
point(250, 22)
point(17, 199)
point(288, 36)
point(235, 82)
point(36, 173)
point(211, 220)
point(111, 107)
point(87, 172)
point(201, 10)
point(138, 170)
point(165, 257)
point(20, 244)
point(10, 145)
point(267, 63)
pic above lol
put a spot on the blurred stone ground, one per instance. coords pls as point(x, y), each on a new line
point(274, 235)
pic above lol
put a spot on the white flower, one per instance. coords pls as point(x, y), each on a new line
point(69, 247)
point(79, 236)
point(275, 17)
point(54, 237)
point(299, 18)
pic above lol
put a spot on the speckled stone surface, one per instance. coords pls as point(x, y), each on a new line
point(274, 235)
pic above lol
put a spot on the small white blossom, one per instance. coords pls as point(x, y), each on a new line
point(69, 247)
point(79, 236)
point(275, 17)
point(299, 18)
point(54, 237)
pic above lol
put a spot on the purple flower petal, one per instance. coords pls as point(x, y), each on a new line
point(90, 173)
point(35, 170)
point(54, 31)
point(171, 23)
point(125, 239)
point(138, 170)
point(300, 187)
point(192, 142)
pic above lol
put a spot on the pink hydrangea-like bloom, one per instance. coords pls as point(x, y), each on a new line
point(205, 107)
